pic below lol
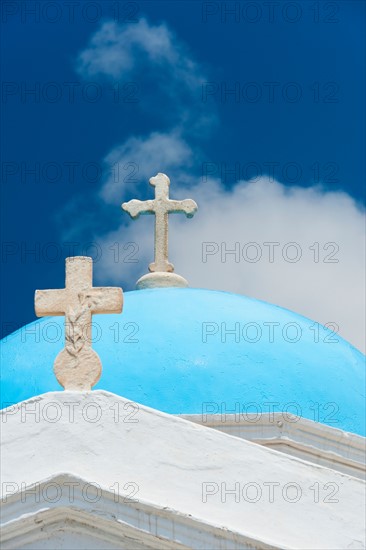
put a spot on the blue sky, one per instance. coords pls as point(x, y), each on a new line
point(147, 90)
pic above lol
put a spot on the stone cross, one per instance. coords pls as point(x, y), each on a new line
point(162, 206)
point(77, 366)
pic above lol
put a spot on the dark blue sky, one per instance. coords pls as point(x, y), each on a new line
point(298, 109)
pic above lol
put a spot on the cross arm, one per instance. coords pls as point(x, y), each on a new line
point(106, 299)
point(187, 206)
point(135, 207)
point(49, 302)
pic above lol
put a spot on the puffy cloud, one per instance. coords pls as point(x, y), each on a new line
point(121, 51)
point(160, 66)
point(137, 159)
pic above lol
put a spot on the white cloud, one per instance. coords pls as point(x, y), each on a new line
point(168, 79)
point(137, 159)
point(117, 51)
point(263, 212)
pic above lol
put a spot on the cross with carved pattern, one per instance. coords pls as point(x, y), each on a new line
point(77, 366)
point(162, 206)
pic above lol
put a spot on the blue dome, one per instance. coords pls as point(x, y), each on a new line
point(188, 351)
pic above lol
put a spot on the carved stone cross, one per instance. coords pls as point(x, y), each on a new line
point(77, 366)
point(161, 206)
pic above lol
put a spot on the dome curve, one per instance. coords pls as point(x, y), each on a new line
point(188, 351)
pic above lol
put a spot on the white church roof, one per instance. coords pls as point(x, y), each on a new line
point(188, 485)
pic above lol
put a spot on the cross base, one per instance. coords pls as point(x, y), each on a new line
point(78, 371)
point(161, 279)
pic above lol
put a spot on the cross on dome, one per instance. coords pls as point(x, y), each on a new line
point(161, 270)
point(78, 366)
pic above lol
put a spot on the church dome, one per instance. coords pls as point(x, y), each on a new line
point(193, 351)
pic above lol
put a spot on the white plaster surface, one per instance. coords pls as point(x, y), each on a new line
point(102, 439)
point(297, 436)
point(60, 539)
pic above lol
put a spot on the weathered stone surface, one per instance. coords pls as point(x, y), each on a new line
point(161, 280)
point(161, 206)
point(77, 366)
